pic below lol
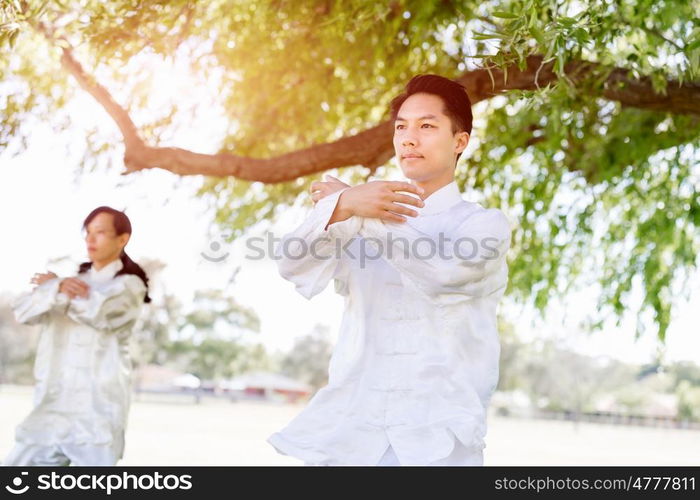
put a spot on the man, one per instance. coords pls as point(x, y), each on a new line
point(422, 272)
point(82, 365)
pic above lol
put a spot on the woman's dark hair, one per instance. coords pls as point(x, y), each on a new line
point(122, 225)
point(458, 106)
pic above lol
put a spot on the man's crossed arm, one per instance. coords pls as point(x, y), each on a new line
point(376, 199)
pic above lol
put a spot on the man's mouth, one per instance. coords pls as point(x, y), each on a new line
point(411, 155)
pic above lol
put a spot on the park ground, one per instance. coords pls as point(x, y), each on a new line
point(173, 430)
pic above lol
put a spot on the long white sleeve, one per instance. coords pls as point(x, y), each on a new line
point(311, 255)
point(111, 307)
point(34, 307)
point(471, 261)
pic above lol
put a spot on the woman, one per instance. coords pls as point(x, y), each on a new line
point(82, 366)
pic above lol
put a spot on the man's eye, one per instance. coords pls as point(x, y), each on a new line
point(427, 125)
point(400, 127)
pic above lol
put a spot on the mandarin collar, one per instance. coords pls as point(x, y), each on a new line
point(444, 198)
point(108, 271)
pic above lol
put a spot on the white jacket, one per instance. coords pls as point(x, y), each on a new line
point(416, 360)
point(82, 366)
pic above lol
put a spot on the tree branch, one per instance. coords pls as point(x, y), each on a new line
point(373, 147)
point(656, 32)
point(101, 94)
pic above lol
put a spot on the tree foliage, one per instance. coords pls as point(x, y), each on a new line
point(597, 166)
point(212, 338)
point(309, 357)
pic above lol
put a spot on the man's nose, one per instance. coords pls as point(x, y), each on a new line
point(409, 140)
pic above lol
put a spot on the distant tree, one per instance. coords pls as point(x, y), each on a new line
point(513, 356)
point(688, 401)
point(216, 359)
point(684, 371)
point(559, 379)
point(17, 346)
point(308, 359)
point(213, 337)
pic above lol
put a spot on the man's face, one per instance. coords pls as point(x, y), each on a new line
point(103, 244)
point(424, 142)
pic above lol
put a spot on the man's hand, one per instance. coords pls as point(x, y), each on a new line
point(378, 200)
point(74, 287)
point(40, 278)
point(320, 190)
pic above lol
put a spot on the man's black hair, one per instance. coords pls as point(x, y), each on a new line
point(458, 106)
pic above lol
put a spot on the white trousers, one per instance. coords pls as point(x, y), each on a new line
point(61, 455)
point(460, 456)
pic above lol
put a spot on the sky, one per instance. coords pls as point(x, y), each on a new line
point(43, 202)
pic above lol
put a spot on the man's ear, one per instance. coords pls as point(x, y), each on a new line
point(462, 141)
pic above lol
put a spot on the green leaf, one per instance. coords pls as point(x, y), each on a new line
point(505, 15)
point(567, 21)
point(486, 36)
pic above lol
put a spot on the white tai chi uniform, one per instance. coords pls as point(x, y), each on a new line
point(82, 370)
point(416, 360)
